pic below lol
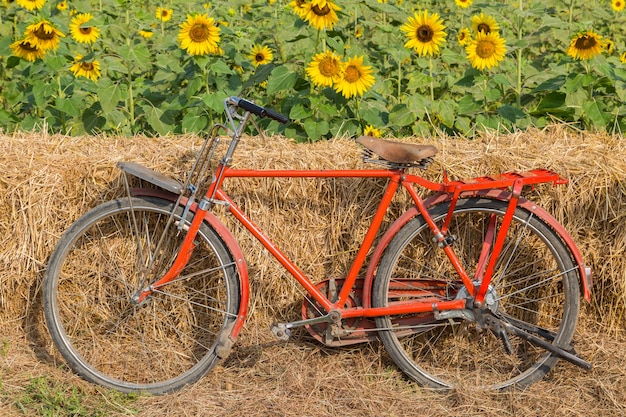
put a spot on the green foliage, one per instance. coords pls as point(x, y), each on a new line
point(43, 397)
point(152, 85)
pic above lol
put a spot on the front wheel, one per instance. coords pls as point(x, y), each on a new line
point(102, 261)
point(534, 284)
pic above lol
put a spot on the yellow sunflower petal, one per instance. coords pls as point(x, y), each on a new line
point(425, 33)
point(325, 69)
point(486, 50)
point(260, 55)
point(586, 45)
point(81, 31)
point(199, 35)
point(356, 79)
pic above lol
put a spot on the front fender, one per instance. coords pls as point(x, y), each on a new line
point(585, 276)
point(228, 239)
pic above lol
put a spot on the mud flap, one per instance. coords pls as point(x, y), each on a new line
point(225, 342)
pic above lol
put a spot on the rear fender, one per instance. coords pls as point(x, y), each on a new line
point(230, 242)
point(584, 272)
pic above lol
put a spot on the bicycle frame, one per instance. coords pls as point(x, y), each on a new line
point(476, 287)
point(396, 178)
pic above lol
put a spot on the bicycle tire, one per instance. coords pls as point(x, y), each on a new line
point(535, 281)
point(156, 346)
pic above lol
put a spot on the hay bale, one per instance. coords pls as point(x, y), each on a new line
point(48, 181)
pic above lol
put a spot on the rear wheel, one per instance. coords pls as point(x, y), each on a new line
point(161, 344)
point(534, 283)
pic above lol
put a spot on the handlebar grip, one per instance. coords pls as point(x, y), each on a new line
point(262, 111)
point(280, 118)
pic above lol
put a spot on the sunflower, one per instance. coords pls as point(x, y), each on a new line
point(300, 8)
point(356, 79)
point(260, 55)
point(464, 37)
point(321, 14)
point(163, 14)
point(25, 49)
point(486, 50)
point(618, 5)
point(585, 45)
point(147, 34)
point(463, 4)
point(43, 35)
point(372, 131)
point(62, 6)
point(622, 58)
point(325, 69)
point(87, 69)
point(609, 46)
point(82, 32)
point(199, 35)
point(425, 33)
point(483, 23)
point(31, 4)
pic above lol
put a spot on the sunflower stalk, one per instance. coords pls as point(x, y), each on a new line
point(570, 15)
point(129, 79)
point(485, 86)
point(399, 93)
point(432, 79)
point(520, 26)
point(590, 88)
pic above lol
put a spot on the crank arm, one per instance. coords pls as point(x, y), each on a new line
point(328, 318)
point(562, 353)
point(282, 330)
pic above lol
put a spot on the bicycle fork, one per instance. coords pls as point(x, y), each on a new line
point(183, 256)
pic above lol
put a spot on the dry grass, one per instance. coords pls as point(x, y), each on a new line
point(48, 181)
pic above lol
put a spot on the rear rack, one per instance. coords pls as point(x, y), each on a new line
point(506, 180)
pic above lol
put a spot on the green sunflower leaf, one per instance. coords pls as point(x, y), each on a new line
point(316, 129)
point(552, 84)
point(299, 111)
point(401, 115)
point(159, 120)
point(281, 79)
point(552, 102)
point(594, 114)
point(510, 113)
point(468, 105)
point(215, 101)
point(220, 67)
point(194, 121)
point(110, 95)
point(39, 93)
point(261, 74)
point(71, 106)
point(445, 111)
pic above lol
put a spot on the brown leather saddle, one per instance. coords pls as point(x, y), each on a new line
point(397, 152)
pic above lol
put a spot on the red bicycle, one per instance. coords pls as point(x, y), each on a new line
point(472, 285)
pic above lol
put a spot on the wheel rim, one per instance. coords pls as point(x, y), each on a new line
point(455, 352)
point(160, 344)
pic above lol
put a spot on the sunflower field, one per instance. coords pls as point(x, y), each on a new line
point(381, 67)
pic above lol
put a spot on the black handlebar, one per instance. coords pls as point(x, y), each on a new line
point(260, 111)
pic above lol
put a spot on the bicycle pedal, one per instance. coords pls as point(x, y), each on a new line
point(500, 331)
point(280, 331)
